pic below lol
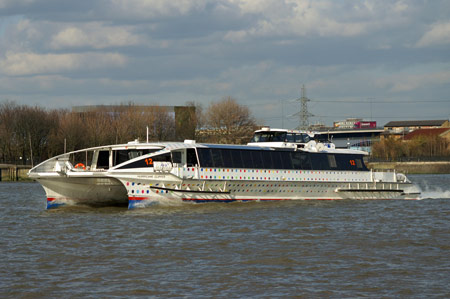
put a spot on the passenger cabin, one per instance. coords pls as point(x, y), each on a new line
point(234, 156)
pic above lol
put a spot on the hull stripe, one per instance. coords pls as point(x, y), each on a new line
point(137, 198)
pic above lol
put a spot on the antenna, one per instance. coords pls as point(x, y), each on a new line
point(304, 114)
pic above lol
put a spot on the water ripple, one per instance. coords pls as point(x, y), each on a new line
point(349, 248)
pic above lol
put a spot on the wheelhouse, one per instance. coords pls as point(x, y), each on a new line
point(281, 136)
point(96, 159)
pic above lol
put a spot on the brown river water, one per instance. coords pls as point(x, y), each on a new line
point(348, 248)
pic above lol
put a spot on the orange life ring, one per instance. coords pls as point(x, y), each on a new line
point(80, 165)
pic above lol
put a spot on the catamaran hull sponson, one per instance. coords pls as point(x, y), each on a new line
point(142, 192)
point(86, 191)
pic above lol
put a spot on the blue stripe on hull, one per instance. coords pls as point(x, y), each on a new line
point(54, 205)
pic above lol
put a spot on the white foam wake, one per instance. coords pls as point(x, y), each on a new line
point(435, 192)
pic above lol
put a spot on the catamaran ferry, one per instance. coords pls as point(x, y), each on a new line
point(194, 172)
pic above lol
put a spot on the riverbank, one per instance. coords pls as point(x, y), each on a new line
point(412, 167)
point(11, 173)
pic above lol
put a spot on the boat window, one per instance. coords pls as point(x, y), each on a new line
point(299, 138)
point(247, 159)
point(358, 163)
point(350, 162)
point(204, 154)
point(148, 162)
point(276, 160)
point(286, 162)
point(121, 156)
point(267, 159)
point(290, 137)
point(162, 158)
point(296, 160)
point(306, 161)
point(217, 157)
point(269, 137)
point(84, 158)
point(176, 157)
point(332, 161)
point(103, 159)
point(257, 159)
point(226, 157)
point(300, 160)
point(236, 158)
point(278, 136)
point(191, 157)
point(319, 161)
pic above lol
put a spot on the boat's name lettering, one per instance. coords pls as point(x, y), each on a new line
point(151, 176)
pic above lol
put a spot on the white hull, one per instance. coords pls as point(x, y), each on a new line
point(84, 190)
point(147, 189)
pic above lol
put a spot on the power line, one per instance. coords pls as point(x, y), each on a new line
point(382, 102)
point(366, 116)
point(361, 101)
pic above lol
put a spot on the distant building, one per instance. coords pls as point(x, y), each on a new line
point(441, 132)
point(349, 123)
point(365, 125)
point(399, 129)
point(317, 127)
point(355, 123)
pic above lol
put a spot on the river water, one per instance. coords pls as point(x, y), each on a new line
point(348, 248)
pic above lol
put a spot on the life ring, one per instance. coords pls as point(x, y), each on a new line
point(80, 165)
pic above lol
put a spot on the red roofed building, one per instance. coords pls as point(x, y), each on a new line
point(441, 132)
point(432, 137)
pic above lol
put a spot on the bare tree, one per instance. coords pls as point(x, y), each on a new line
point(7, 131)
point(229, 122)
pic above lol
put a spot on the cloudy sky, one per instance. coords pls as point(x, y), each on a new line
point(384, 59)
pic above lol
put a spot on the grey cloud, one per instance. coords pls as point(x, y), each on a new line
point(258, 52)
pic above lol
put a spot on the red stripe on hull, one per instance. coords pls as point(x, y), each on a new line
point(138, 198)
point(251, 199)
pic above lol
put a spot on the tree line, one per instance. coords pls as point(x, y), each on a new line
point(33, 134)
point(420, 147)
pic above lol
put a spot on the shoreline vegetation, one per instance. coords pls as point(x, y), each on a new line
point(32, 134)
point(434, 167)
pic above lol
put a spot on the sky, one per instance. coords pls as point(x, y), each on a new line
point(378, 60)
